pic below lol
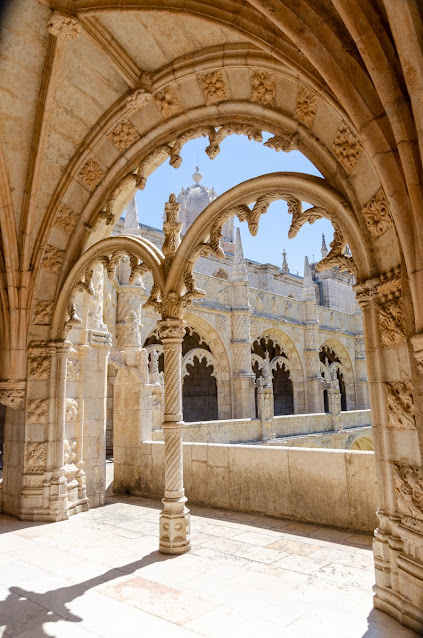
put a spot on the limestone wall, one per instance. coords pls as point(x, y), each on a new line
point(231, 431)
point(328, 487)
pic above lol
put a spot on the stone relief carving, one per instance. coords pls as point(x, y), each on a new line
point(12, 397)
point(221, 323)
point(376, 214)
point(263, 88)
point(167, 101)
point(391, 312)
point(283, 142)
point(62, 25)
point(123, 135)
point(138, 99)
point(213, 86)
point(124, 190)
point(337, 255)
point(409, 490)
point(401, 408)
point(66, 219)
point(91, 174)
point(39, 367)
point(172, 230)
point(52, 259)
point(69, 451)
point(198, 354)
point(72, 410)
point(306, 107)
point(360, 350)
point(43, 311)
point(347, 147)
point(73, 370)
point(35, 457)
point(37, 411)
point(417, 343)
point(252, 216)
point(300, 217)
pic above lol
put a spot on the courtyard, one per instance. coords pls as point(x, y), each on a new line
point(100, 574)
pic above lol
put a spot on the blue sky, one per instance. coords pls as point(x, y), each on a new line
point(239, 160)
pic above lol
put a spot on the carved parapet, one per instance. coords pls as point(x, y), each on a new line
point(12, 393)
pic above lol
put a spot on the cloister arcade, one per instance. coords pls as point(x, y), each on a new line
point(340, 82)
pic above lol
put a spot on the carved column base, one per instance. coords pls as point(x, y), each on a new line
point(174, 527)
point(46, 502)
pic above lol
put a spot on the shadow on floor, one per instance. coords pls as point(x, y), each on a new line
point(22, 605)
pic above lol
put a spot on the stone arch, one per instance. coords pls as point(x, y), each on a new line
point(218, 349)
point(346, 368)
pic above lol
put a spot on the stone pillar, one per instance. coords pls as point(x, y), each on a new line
point(334, 399)
point(174, 518)
point(265, 407)
point(12, 395)
point(361, 384)
point(314, 392)
point(243, 377)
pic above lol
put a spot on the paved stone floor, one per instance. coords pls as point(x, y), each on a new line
point(99, 574)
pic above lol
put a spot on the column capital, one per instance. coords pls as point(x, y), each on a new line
point(171, 330)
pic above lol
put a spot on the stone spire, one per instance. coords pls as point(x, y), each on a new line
point(239, 268)
point(285, 267)
point(324, 247)
point(131, 218)
point(308, 288)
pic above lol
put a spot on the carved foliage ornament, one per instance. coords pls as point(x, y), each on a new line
point(138, 99)
point(35, 457)
point(39, 367)
point(377, 215)
point(69, 451)
point(347, 147)
point(401, 408)
point(263, 88)
point(409, 490)
point(123, 135)
point(43, 311)
point(64, 26)
point(72, 410)
point(306, 107)
point(52, 259)
point(37, 411)
point(337, 256)
point(391, 312)
point(12, 394)
point(213, 86)
point(66, 219)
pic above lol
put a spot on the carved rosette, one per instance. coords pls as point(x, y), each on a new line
point(91, 174)
point(213, 86)
point(66, 219)
point(401, 410)
point(306, 107)
point(62, 25)
point(376, 214)
point(347, 147)
point(52, 259)
point(409, 490)
point(123, 135)
point(35, 457)
point(167, 102)
point(263, 88)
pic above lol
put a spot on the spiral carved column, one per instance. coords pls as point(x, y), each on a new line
point(174, 518)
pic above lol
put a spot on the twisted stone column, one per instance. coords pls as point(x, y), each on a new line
point(174, 518)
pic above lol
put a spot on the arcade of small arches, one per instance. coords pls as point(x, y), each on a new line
point(343, 92)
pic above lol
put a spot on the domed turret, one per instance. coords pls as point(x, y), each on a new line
point(194, 200)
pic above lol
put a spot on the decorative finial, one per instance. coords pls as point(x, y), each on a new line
point(285, 267)
point(197, 177)
point(324, 247)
